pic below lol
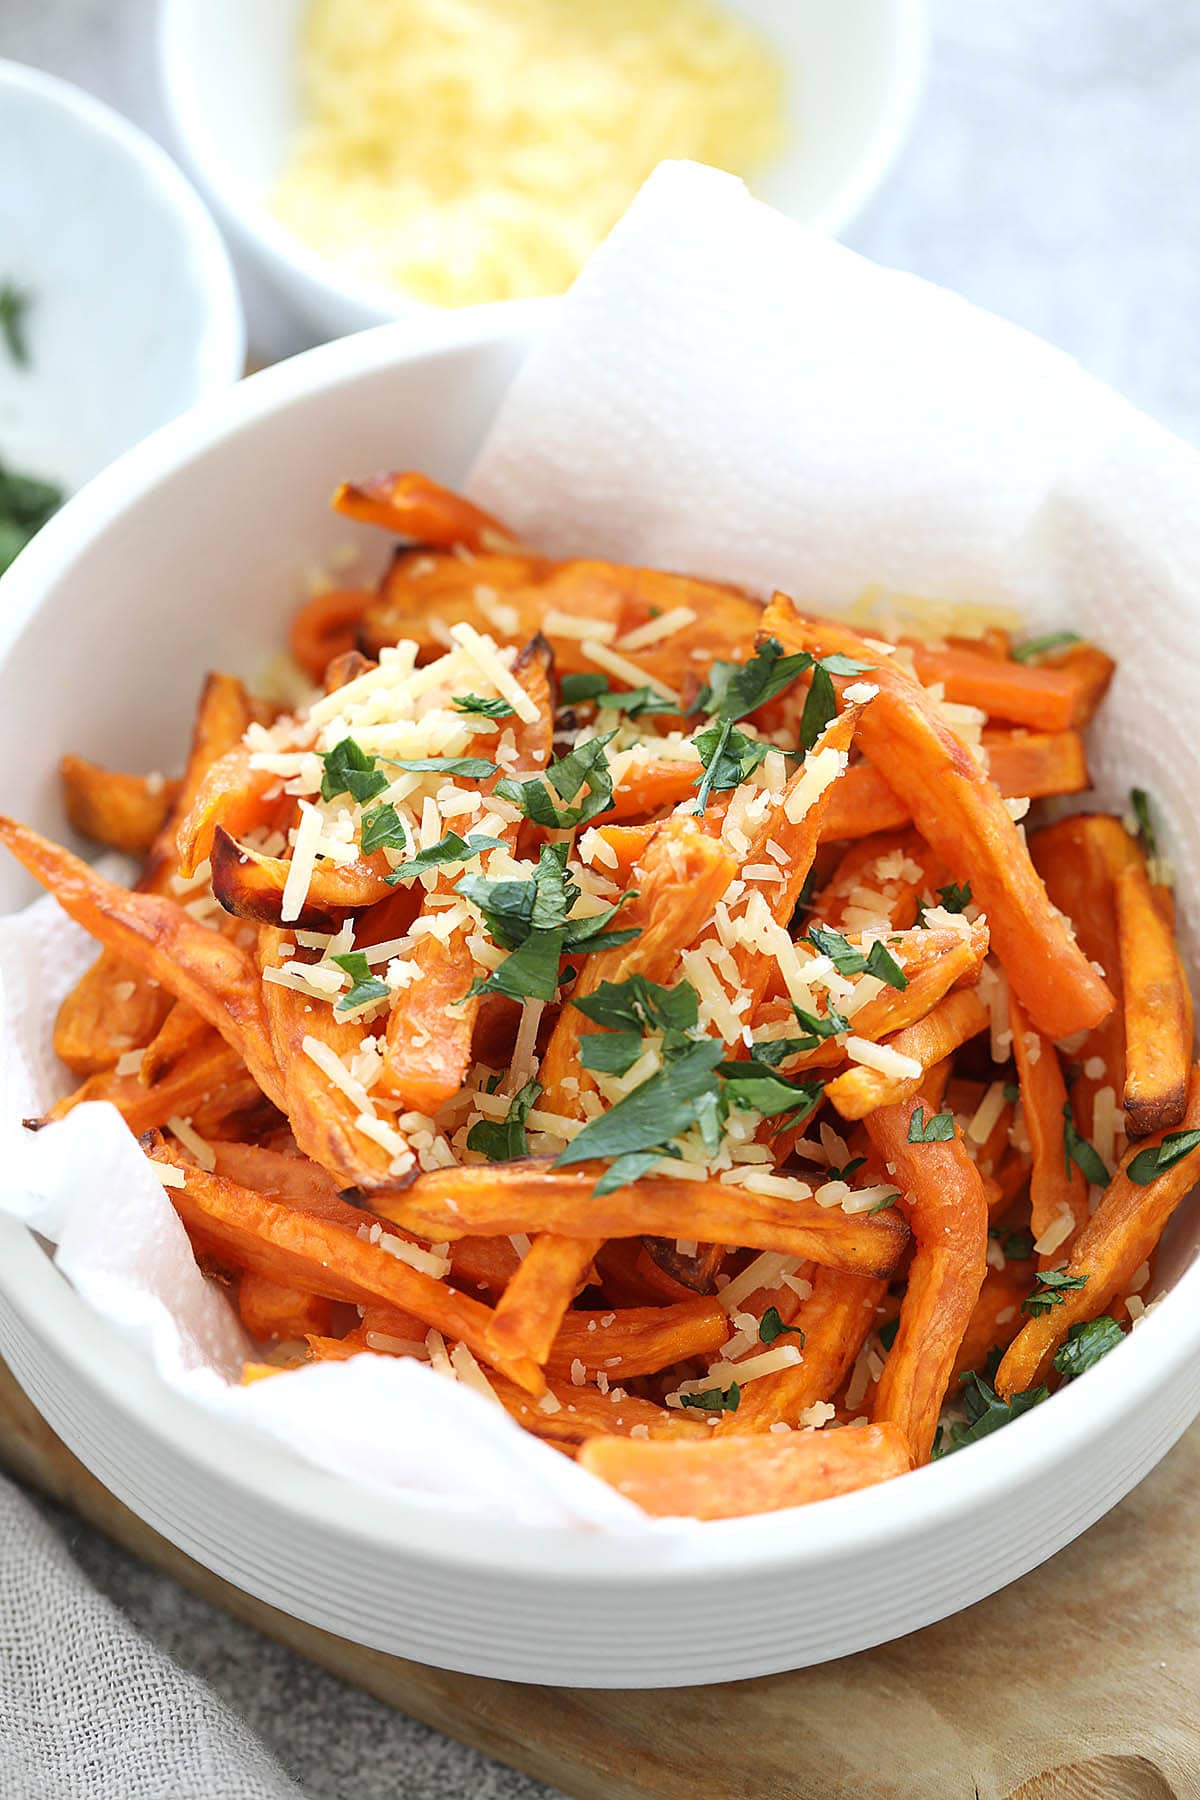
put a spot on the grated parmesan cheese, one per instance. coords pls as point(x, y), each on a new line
point(884, 1059)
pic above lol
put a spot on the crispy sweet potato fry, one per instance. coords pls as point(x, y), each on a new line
point(949, 1221)
point(250, 885)
point(499, 1198)
point(179, 1033)
point(728, 1478)
point(952, 1022)
point(274, 1313)
point(126, 812)
point(1115, 1242)
point(1158, 1012)
point(232, 795)
point(1042, 696)
point(414, 506)
point(532, 1307)
point(323, 1257)
point(961, 814)
point(996, 1320)
point(109, 1010)
point(1058, 1191)
point(214, 977)
point(326, 627)
point(835, 1320)
point(636, 1340)
point(209, 1069)
point(1019, 763)
point(584, 1413)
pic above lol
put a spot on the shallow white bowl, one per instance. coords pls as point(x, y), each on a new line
point(134, 312)
point(854, 71)
point(199, 536)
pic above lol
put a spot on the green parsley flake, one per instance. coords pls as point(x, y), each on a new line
point(479, 707)
point(771, 1326)
point(1086, 1344)
point(986, 1412)
point(349, 770)
point(25, 506)
point(714, 1399)
point(14, 306)
point(1077, 1150)
point(1156, 1159)
point(1052, 1288)
point(584, 767)
point(365, 987)
point(450, 849)
point(503, 1140)
point(937, 1130)
point(1033, 648)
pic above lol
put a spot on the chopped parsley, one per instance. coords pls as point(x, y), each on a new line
point(503, 1140)
point(887, 1332)
point(584, 767)
point(14, 305)
point(529, 918)
point(1086, 1344)
point(882, 1205)
point(953, 898)
point(1015, 1246)
point(846, 1170)
point(773, 1051)
point(364, 988)
point(878, 960)
point(1077, 1150)
point(1012, 1092)
point(473, 768)
point(450, 849)
point(755, 1087)
point(383, 829)
point(729, 758)
point(1139, 800)
point(681, 1094)
point(635, 703)
point(349, 770)
point(1033, 648)
point(480, 708)
point(640, 1005)
point(714, 1399)
point(1052, 1288)
point(986, 1412)
point(938, 1129)
point(1154, 1161)
point(771, 1326)
point(25, 506)
point(609, 1052)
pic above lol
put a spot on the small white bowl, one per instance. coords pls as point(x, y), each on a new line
point(854, 73)
point(134, 313)
point(745, 1597)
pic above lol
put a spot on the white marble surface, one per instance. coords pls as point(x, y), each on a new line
point(1051, 176)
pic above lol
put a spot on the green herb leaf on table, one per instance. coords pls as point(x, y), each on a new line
point(503, 1140)
point(364, 988)
point(1052, 1288)
point(1086, 1344)
point(1156, 1159)
point(939, 1129)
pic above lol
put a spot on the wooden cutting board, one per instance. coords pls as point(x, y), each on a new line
point(1081, 1682)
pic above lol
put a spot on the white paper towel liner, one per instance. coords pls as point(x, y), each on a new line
point(724, 394)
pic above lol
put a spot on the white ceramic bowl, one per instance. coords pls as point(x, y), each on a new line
point(134, 312)
point(740, 1598)
point(854, 72)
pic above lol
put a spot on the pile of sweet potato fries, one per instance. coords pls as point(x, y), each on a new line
point(645, 1007)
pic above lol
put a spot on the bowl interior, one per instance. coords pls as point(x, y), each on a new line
point(852, 71)
point(133, 315)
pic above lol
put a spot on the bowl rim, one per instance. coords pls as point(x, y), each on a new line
point(257, 227)
point(268, 1474)
point(220, 352)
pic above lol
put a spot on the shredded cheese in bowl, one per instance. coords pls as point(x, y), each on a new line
point(475, 150)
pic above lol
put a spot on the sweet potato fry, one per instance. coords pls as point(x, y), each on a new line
point(949, 1221)
point(179, 1033)
point(274, 1313)
point(519, 1196)
point(1114, 1243)
point(322, 1257)
point(835, 1320)
point(532, 1308)
point(1090, 670)
point(584, 1413)
point(216, 978)
point(996, 1320)
point(960, 813)
point(232, 795)
point(1019, 763)
point(208, 1069)
point(323, 1118)
point(1158, 1011)
point(414, 506)
point(934, 961)
point(636, 1340)
point(957, 1018)
point(729, 1478)
point(1058, 1190)
point(295, 1179)
point(326, 627)
point(250, 885)
point(630, 1276)
point(125, 812)
point(1041, 696)
point(109, 1010)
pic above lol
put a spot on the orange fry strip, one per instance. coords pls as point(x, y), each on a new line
point(1058, 1190)
point(327, 626)
point(179, 1033)
point(1113, 1245)
point(126, 812)
point(956, 1019)
point(949, 1221)
point(322, 1257)
point(961, 814)
point(729, 1478)
point(414, 506)
point(533, 1306)
point(274, 1313)
point(835, 1320)
point(1044, 697)
point(209, 1067)
point(1158, 1009)
point(250, 885)
point(637, 1340)
point(996, 1320)
point(500, 1198)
